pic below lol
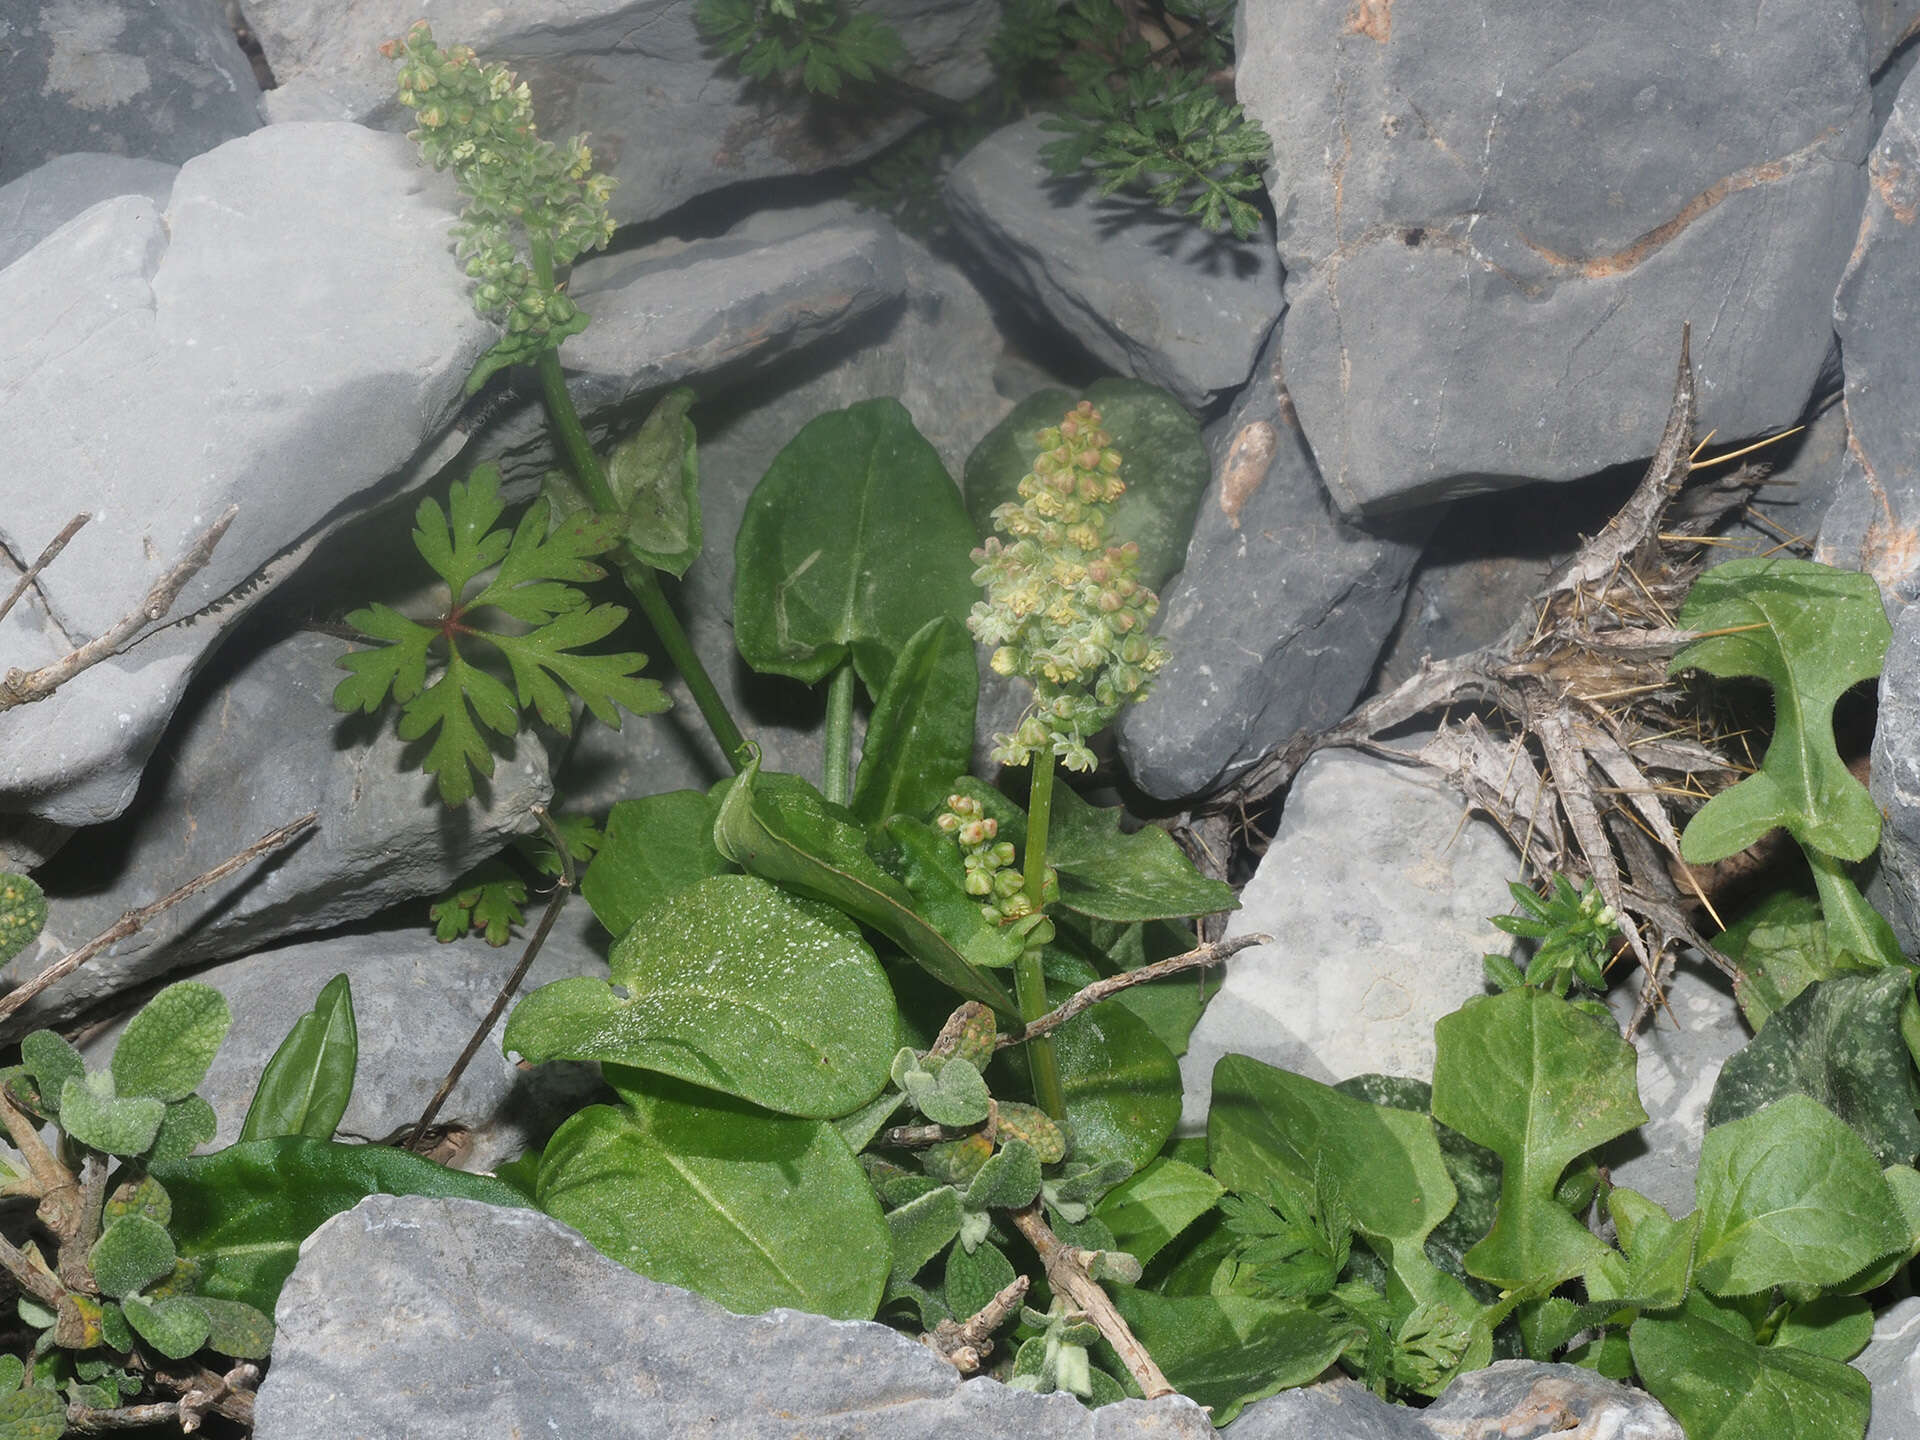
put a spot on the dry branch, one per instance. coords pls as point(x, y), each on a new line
point(1067, 1274)
point(47, 557)
point(1209, 954)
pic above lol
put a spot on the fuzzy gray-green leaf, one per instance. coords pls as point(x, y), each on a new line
point(117, 1125)
point(130, 1255)
point(166, 1048)
point(175, 1326)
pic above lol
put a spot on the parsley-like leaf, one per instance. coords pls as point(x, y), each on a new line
point(490, 902)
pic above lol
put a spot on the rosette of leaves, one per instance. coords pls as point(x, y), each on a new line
point(535, 569)
point(1575, 930)
point(478, 121)
point(817, 44)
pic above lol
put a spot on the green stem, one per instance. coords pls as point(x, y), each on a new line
point(639, 576)
point(837, 783)
point(1029, 974)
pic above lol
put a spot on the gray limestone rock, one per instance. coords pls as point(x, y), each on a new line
point(1376, 895)
point(155, 82)
point(1895, 781)
point(1491, 246)
point(670, 117)
point(1333, 1410)
point(1680, 1052)
point(39, 202)
point(446, 1318)
point(1874, 522)
point(1145, 291)
point(415, 1005)
point(259, 744)
point(1279, 615)
point(287, 334)
point(1892, 1362)
point(1525, 1400)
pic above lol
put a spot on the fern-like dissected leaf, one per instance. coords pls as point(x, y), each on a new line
point(533, 585)
point(491, 903)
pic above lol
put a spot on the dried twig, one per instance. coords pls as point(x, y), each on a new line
point(1197, 958)
point(966, 1345)
point(201, 1392)
point(133, 920)
point(1067, 1274)
point(419, 1136)
point(47, 557)
point(21, 687)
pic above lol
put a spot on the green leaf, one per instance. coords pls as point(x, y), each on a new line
point(1164, 466)
point(654, 847)
point(92, 1114)
point(51, 1061)
point(1720, 1386)
point(956, 1096)
point(1171, 1007)
point(1008, 1181)
point(1122, 1085)
point(1226, 1351)
point(187, 1125)
point(936, 878)
point(734, 985)
point(175, 1326)
point(781, 828)
point(1104, 872)
point(1149, 1210)
point(973, 1280)
point(922, 1228)
point(236, 1328)
point(655, 477)
point(306, 1086)
point(23, 910)
point(546, 664)
point(490, 904)
point(1790, 1196)
point(1780, 948)
point(32, 1414)
point(131, 1253)
point(1836, 1326)
point(166, 1048)
point(1838, 1041)
point(1539, 1082)
point(241, 1213)
point(921, 733)
point(751, 1210)
point(1812, 633)
point(853, 540)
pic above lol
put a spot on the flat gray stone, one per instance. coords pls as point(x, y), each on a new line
point(1525, 1400)
point(1892, 1362)
point(257, 746)
point(1874, 521)
point(36, 204)
point(1339, 1409)
point(1280, 612)
point(415, 1004)
point(670, 117)
point(167, 364)
point(155, 82)
point(1895, 781)
point(447, 1318)
point(1491, 247)
point(1376, 895)
point(1146, 292)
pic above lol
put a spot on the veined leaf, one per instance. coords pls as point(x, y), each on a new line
point(1722, 1386)
point(307, 1084)
point(921, 734)
point(655, 478)
point(654, 847)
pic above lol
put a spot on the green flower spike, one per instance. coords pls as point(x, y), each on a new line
point(1064, 608)
point(476, 121)
point(993, 876)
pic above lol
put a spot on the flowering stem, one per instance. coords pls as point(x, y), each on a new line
point(1029, 975)
point(837, 782)
point(639, 577)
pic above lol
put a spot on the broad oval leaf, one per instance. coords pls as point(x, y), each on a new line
point(1122, 1085)
point(242, 1213)
point(1151, 1208)
point(781, 828)
point(1226, 1351)
point(733, 985)
point(166, 1048)
point(130, 1255)
point(751, 1210)
point(238, 1329)
point(32, 1414)
point(1722, 1386)
point(854, 539)
point(92, 1114)
point(175, 1326)
point(306, 1086)
point(921, 734)
point(653, 847)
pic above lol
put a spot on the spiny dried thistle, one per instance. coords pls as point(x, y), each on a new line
point(1065, 608)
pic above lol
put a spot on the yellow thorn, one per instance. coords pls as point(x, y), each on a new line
point(1736, 454)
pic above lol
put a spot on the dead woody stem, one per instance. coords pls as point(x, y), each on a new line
point(1067, 1274)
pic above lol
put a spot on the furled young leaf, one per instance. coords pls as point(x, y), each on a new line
point(781, 828)
point(305, 1087)
point(693, 1189)
point(1226, 1351)
point(734, 985)
point(1164, 466)
point(922, 1228)
point(921, 733)
point(853, 540)
point(1539, 1082)
point(1722, 1386)
point(1837, 1041)
point(1105, 873)
point(241, 1213)
point(1790, 1196)
point(96, 1117)
point(655, 477)
point(1812, 633)
point(1149, 1210)
point(653, 847)
point(130, 1255)
point(175, 1326)
point(166, 1048)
